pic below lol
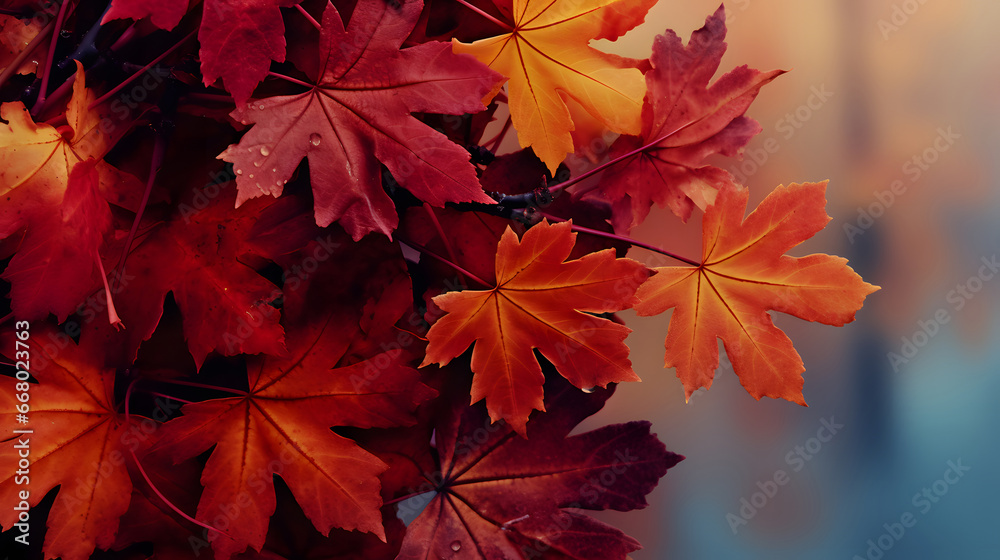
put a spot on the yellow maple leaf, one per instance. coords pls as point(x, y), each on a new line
point(36, 158)
point(547, 56)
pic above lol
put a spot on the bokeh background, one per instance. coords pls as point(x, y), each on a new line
point(873, 84)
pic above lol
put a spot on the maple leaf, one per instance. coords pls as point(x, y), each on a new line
point(194, 255)
point(744, 274)
point(684, 120)
point(282, 426)
point(36, 159)
point(58, 263)
point(546, 55)
point(358, 114)
point(500, 496)
point(78, 442)
point(539, 301)
point(239, 38)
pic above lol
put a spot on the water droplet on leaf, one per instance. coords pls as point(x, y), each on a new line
point(315, 139)
point(456, 546)
point(264, 151)
point(251, 175)
point(239, 171)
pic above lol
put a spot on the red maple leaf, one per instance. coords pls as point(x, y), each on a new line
point(359, 115)
point(194, 255)
point(58, 263)
point(500, 496)
point(684, 120)
point(281, 424)
point(239, 38)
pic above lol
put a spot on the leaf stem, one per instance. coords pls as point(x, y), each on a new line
point(486, 15)
point(140, 72)
point(47, 69)
point(500, 136)
point(440, 232)
point(311, 19)
point(168, 397)
point(435, 256)
point(204, 386)
point(290, 79)
point(159, 151)
point(142, 471)
point(570, 182)
point(404, 498)
point(622, 238)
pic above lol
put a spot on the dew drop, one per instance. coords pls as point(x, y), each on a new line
point(251, 175)
point(250, 150)
point(315, 139)
point(256, 164)
point(261, 106)
point(456, 545)
point(239, 171)
point(274, 170)
point(264, 151)
point(589, 389)
point(279, 183)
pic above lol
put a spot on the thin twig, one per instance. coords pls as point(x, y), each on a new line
point(622, 238)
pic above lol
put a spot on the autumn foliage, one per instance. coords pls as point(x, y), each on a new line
point(276, 288)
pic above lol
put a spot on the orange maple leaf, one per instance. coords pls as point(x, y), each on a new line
point(78, 441)
point(744, 274)
point(539, 302)
point(546, 56)
point(36, 159)
point(281, 425)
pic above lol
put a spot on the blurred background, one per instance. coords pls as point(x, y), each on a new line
point(881, 94)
